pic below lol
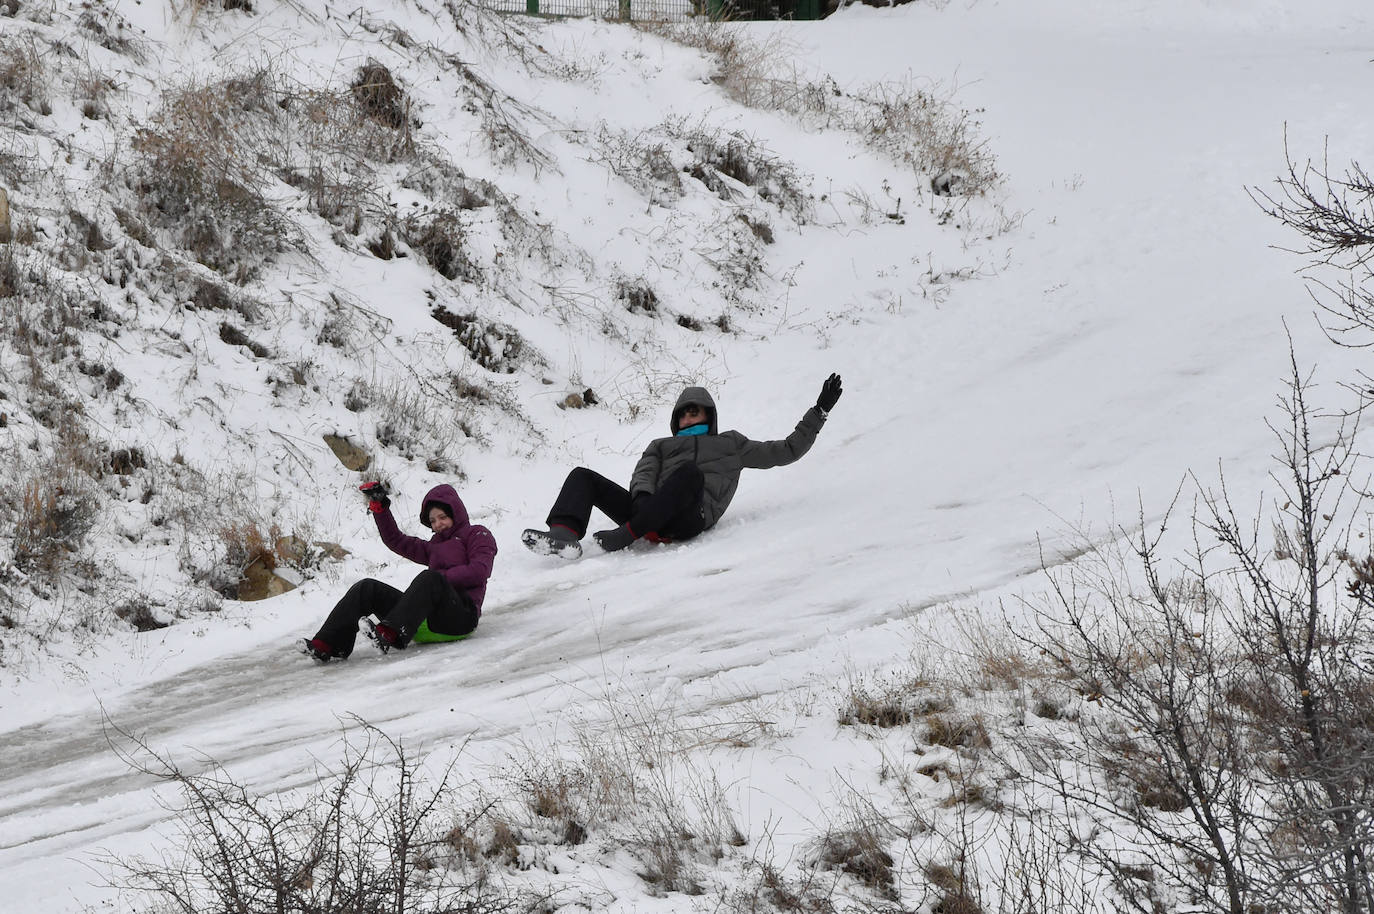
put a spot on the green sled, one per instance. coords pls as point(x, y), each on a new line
point(424, 636)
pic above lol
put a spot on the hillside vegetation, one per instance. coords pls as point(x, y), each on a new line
point(261, 254)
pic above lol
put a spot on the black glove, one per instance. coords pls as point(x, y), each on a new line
point(830, 394)
point(377, 500)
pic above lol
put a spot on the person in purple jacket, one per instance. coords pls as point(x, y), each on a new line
point(444, 601)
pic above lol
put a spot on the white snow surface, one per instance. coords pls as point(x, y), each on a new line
point(1051, 360)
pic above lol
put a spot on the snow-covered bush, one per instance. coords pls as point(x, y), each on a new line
point(717, 156)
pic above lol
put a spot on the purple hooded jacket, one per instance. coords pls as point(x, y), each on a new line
point(463, 553)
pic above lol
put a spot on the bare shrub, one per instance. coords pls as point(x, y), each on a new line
point(11, 272)
point(112, 31)
point(439, 238)
point(57, 504)
point(332, 143)
point(413, 423)
point(735, 251)
point(194, 178)
point(921, 127)
point(93, 90)
point(632, 780)
point(644, 162)
point(365, 839)
point(1235, 709)
point(23, 76)
point(741, 159)
point(860, 850)
point(246, 542)
point(376, 92)
point(956, 731)
point(436, 176)
point(139, 613)
point(504, 120)
point(768, 889)
point(956, 893)
point(891, 701)
point(1334, 214)
point(54, 518)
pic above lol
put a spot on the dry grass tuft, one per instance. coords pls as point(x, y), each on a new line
point(892, 701)
point(919, 126)
point(860, 852)
point(377, 94)
point(439, 238)
point(196, 178)
point(24, 78)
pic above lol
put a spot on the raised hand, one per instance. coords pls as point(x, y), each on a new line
point(830, 394)
point(377, 500)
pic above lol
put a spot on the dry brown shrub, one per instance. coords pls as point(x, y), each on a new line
point(956, 894)
point(376, 92)
point(859, 851)
point(198, 176)
point(23, 75)
point(774, 891)
point(439, 238)
point(892, 701)
point(919, 126)
point(246, 542)
point(957, 731)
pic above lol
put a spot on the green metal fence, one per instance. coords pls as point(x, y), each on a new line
point(663, 10)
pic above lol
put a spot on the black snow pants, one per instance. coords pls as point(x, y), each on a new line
point(449, 610)
point(673, 512)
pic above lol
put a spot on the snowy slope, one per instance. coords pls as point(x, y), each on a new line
point(1116, 318)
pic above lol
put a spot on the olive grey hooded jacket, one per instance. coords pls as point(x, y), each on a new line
point(721, 456)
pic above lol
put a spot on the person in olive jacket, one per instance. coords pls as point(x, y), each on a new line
point(681, 486)
point(444, 601)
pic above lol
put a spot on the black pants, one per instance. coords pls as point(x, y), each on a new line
point(449, 610)
point(674, 511)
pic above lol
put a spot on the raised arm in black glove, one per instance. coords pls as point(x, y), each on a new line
point(830, 394)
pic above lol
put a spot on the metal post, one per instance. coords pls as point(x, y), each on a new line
point(532, 7)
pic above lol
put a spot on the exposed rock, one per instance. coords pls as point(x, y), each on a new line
point(260, 582)
point(349, 454)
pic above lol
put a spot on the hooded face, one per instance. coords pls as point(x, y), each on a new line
point(693, 397)
point(446, 500)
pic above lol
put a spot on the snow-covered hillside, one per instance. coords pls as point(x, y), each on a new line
point(484, 250)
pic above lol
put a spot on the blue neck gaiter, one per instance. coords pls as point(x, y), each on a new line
point(701, 429)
